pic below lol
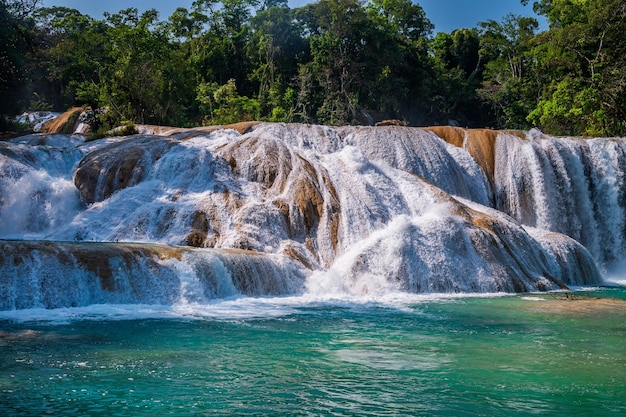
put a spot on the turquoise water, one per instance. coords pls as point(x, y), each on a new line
point(487, 356)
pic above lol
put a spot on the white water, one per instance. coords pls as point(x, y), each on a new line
point(571, 186)
point(36, 191)
point(363, 213)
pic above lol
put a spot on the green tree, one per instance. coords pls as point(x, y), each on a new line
point(186, 30)
point(142, 83)
point(460, 68)
point(17, 44)
point(225, 105)
point(584, 53)
point(561, 13)
point(276, 48)
point(336, 29)
point(370, 59)
point(223, 45)
point(506, 49)
point(398, 61)
point(71, 56)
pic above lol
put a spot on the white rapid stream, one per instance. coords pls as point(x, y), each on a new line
point(289, 209)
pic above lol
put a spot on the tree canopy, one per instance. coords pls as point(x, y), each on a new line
point(330, 61)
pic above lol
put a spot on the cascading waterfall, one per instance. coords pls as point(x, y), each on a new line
point(48, 274)
point(422, 153)
point(288, 209)
point(570, 186)
point(36, 192)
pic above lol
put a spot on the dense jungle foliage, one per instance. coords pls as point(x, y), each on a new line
point(332, 62)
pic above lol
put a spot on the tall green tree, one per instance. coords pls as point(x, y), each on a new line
point(72, 54)
point(460, 67)
point(365, 59)
point(506, 48)
point(584, 53)
point(17, 43)
point(142, 82)
point(276, 48)
point(399, 62)
point(337, 29)
point(224, 53)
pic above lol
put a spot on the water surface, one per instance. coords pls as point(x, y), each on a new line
point(422, 355)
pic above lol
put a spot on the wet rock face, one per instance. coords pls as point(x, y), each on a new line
point(199, 230)
point(566, 185)
point(117, 166)
point(479, 143)
point(300, 189)
point(203, 187)
point(65, 123)
point(12, 155)
point(421, 153)
point(53, 275)
point(267, 162)
point(275, 188)
point(79, 120)
point(39, 274)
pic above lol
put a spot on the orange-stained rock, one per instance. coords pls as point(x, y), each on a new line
point(391, 122)
point(480, 143)
point(65, 123)
point(451, 134)
point(241, 127)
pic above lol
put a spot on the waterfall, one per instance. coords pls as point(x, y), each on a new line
point(288, 209)
point(36, 190)
point(566, 185)
point(41, 274)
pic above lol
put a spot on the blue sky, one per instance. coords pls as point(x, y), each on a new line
point(446, 15)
